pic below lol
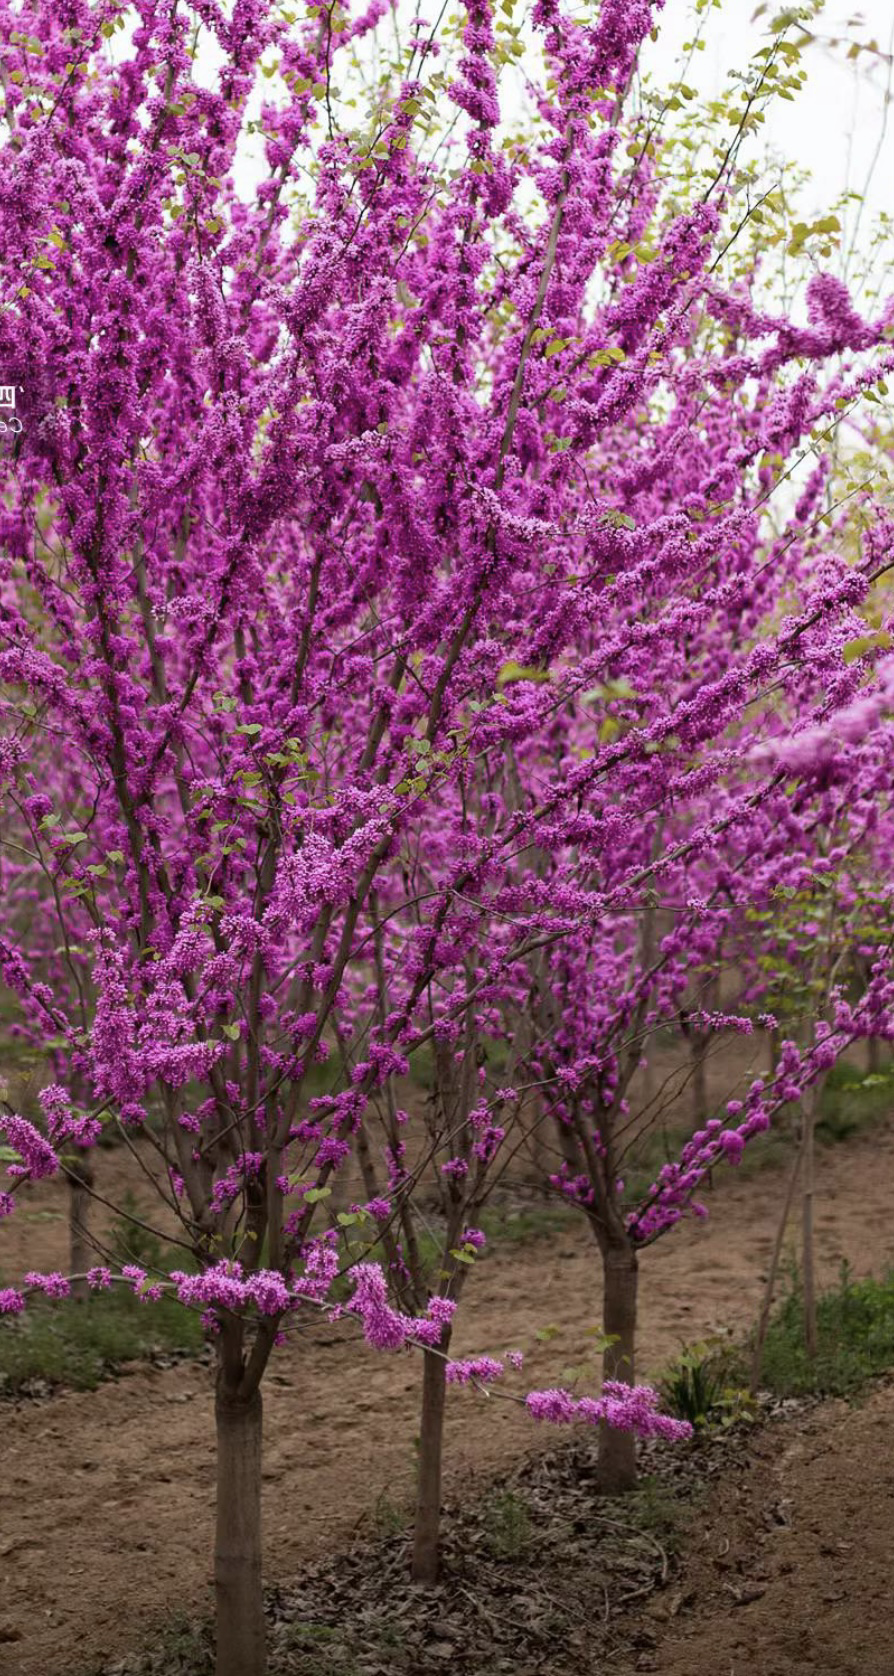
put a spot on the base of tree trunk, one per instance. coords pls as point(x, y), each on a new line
point(241, 1635)
point(616, 1461)
point(616, 1470)
point(427, 1525)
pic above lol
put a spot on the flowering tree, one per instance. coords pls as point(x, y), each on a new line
point(326, 514)
point(726, 869)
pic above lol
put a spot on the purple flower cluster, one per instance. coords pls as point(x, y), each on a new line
point(38, 1157)
point(630, 1408)
point(386, 1328)
point(54, 1285)
point(478, 1369)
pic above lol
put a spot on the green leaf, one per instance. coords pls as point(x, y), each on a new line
point(605, 357)
point(879, 641)
point(603, 1339)
point(609, 690)
point(513, 671)
point(315, 1194)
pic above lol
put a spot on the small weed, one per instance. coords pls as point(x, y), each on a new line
point(187, 1648)
point(388, 1519)
point(698, 1387)
point(182, 1648)
point(653, 1509)
point(319, 1650)
point(391, 1637)
point(507, 1526)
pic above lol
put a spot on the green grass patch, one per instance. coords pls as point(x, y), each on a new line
point(531, 1222)
point(707, 1383)
point(855, 1339)
point(78, 1345)
point(853, 1100)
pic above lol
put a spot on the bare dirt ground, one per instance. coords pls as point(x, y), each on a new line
point(107, 1505)
point(790, 1575)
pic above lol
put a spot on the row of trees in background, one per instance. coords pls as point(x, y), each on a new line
point(430, 624)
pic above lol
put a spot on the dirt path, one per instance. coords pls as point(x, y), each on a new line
point(107, 1499)
point(791, 1573)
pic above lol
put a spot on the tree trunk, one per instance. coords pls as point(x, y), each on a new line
point(807, 1254)
point(699, 1080)
point(617, 1450)
point(763, 1322)
point(80, 1180)
point(241, 1642)
point(427, 1526)
point(700, 1044)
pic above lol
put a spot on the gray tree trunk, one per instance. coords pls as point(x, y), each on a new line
point(241, 1638)
point(427, 1526)
point(617, 1450)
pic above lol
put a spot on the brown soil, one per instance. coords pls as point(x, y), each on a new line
point(108, 1496)
point(790, 1575)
